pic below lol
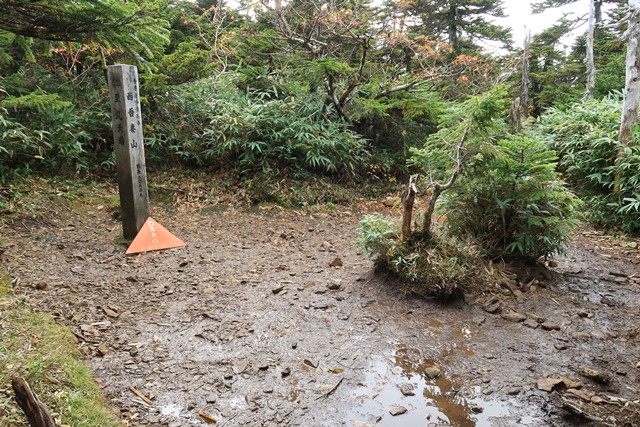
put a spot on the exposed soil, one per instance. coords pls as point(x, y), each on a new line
point(249, 324)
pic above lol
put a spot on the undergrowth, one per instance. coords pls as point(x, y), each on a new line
point(34, 346)
point(441, 266)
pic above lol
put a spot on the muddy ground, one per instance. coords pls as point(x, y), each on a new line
point(250, 325)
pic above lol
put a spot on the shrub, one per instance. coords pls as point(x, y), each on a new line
point(211, 122)
point(441, 266)
point(512, 201)
point(585, 138)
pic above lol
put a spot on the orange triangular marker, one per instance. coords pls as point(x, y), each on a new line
point(153, 237)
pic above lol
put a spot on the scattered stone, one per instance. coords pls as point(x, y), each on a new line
point(550, 326)
point(433, 371)
point(548, 384)
point(582, 394)
point(286, 235)
point(582, 336)
point(285, 372)
point(513, 391)
point(310, 363)
point(42, 286)
point(477, 409)
point(560, 346)
point(277, 289)
point(103, 349)
point(608, 301)
point(513, 316)
point(551, 383)
point(492, 306)
point(337, 262)
point(407, 389)
point(396, 410)
point(595, 375)
point(335, 285)
point(596, 399)
point(110, 312)
point(531, 323)
point(552, 263)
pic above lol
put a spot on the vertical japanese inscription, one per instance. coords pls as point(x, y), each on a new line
point(128, 147)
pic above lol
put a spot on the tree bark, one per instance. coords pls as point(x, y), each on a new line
point(453, 27)
point(36, 412)
point(408, 201)
point(632, 86)
point(438, 188)
point(526, 82)
point(589, 59)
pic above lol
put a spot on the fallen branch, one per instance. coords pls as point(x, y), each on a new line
point(36, 412)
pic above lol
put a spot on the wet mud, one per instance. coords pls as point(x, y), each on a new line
point(250, 325)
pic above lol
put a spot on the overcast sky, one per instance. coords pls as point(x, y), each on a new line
point(520, 18)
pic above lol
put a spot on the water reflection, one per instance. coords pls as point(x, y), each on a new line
point(445, 400)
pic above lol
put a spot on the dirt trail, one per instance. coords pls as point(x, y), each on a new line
point(250, 325)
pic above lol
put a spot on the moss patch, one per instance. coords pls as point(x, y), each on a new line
point(34, 346)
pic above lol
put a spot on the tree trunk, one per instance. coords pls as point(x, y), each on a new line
point(597, 6)
point(408, 201)
point(431, 207)
point(589, 60)
point(36, 412)
point(526, 83)
point(453, 27)
point(632, 86)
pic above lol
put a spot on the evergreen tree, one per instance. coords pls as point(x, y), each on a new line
point(462, 22)
point(134, 26)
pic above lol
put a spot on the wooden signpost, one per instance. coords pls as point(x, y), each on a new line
point(129, 148)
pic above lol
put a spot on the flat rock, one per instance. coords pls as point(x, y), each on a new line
point(407, 389)
point(581, 336)
point(492, 307)
point(550, 326)
point(513, 316)
point(396, 410)
point(103, 349)
point(582, 394)
point(531, 323)
point(513, 391)
point(433, 371)
point(277, 289)
point(595, 375)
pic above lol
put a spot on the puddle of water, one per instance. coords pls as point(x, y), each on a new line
point(443, 400)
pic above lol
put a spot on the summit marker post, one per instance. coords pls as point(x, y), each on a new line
point(126, 120)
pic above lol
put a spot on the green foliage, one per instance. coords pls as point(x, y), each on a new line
point(210, 122)
point(34, 346)
point(442, 266)
point(377, 234)
point(135, 27)
point(479, 119)
point(585, 137)
point(512, 201)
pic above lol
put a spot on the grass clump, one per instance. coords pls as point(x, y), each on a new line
point(440, 266)
point(35, 347)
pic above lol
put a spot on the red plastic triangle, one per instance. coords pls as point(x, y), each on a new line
point(153, 237)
